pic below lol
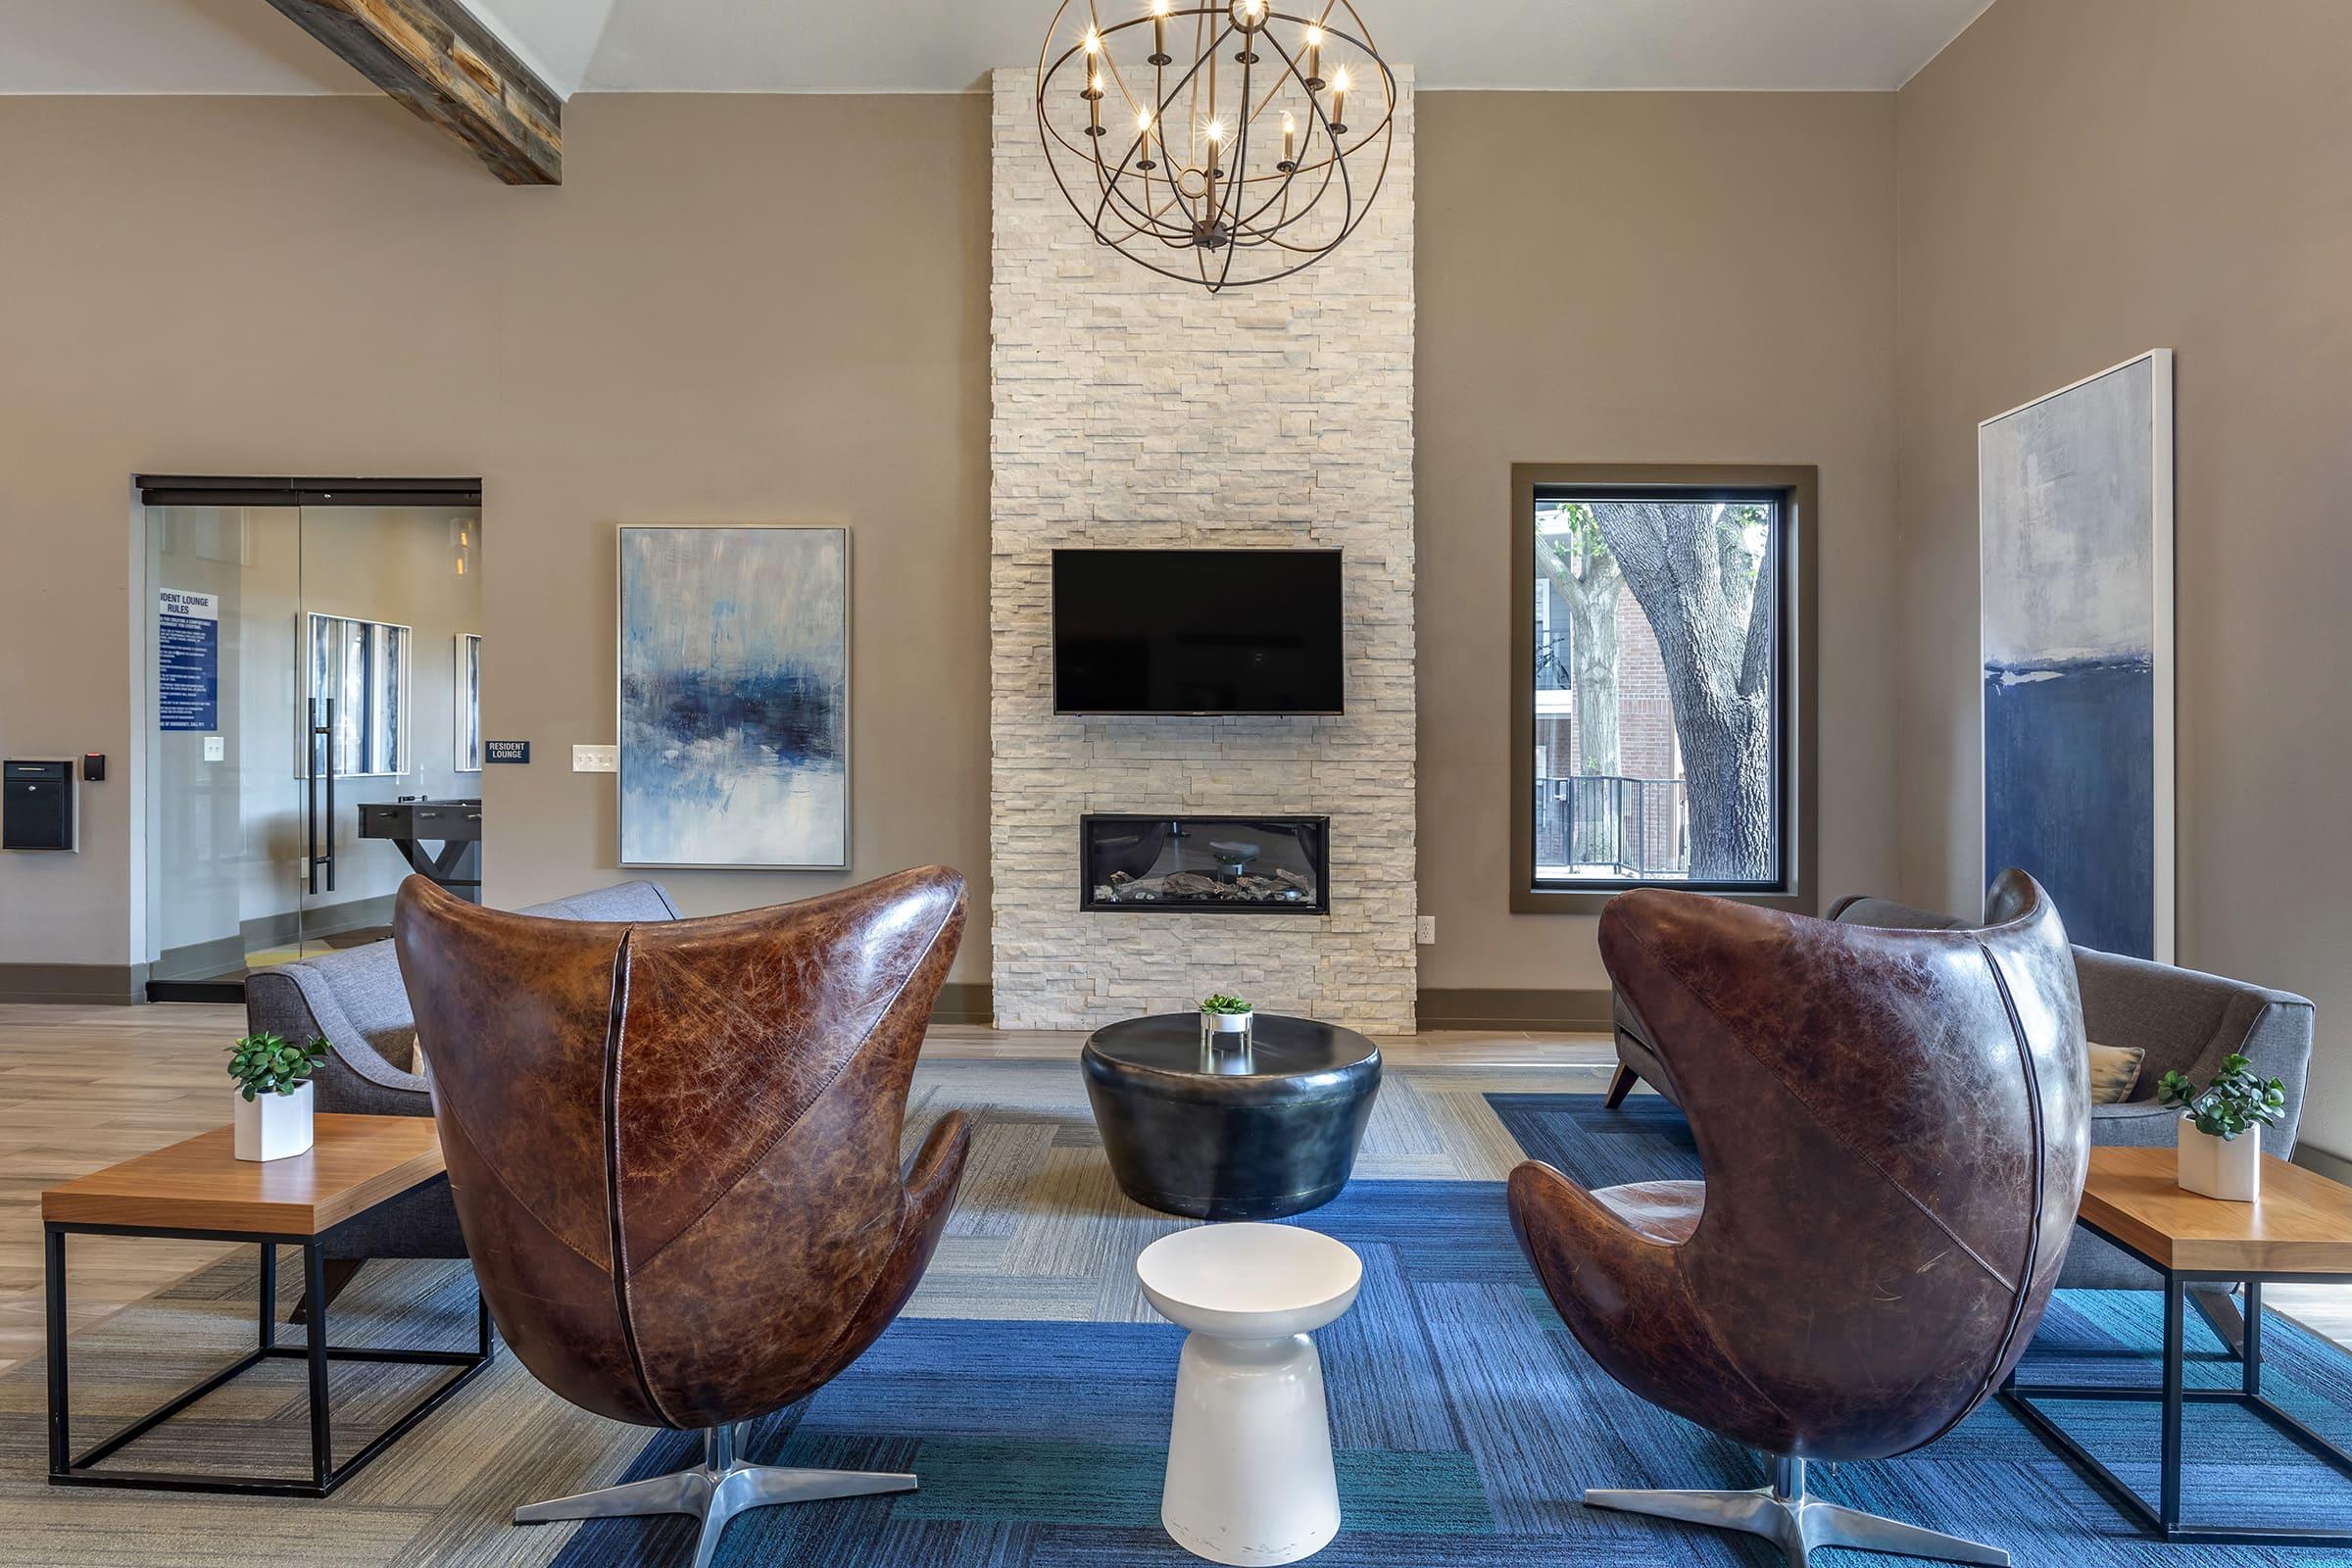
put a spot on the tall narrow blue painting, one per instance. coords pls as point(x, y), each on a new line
point(2076, 492)
point(734, 697)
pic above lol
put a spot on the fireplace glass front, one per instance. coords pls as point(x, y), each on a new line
point(1205, 864)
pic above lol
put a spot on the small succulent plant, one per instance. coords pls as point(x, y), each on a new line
point(1223, 1003)
point(2226, 1107)
point(264, 1065)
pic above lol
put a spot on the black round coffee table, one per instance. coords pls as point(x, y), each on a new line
point(1216, 1136)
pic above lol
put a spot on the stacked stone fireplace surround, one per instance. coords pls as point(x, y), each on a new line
point(1130, 410)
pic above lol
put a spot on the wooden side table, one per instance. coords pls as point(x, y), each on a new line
point(199, 1190)
point(2299, 1232)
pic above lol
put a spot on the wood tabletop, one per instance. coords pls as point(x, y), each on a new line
point(354, 1163)
point(2302, 1223)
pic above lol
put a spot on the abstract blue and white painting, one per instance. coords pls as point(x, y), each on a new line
point(734, 697)
point(2076, 498)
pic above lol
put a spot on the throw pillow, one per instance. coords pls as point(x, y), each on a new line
point(2113, 1070)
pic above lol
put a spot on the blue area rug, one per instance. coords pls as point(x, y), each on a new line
point(1467, 1421)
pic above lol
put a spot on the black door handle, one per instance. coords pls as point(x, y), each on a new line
point(310, 794)
point(330, 795)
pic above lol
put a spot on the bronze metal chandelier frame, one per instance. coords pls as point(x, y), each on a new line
point(1174, 206)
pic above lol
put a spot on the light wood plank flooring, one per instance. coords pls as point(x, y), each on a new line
point(83, 1087)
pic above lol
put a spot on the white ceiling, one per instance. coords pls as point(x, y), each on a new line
point(244, 46)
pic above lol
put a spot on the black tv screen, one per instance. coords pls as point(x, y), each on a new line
point(1197, 631)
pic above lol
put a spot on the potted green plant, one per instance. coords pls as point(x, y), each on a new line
point(273, 1095)
point(1225, 1022)
point(2220, 1128)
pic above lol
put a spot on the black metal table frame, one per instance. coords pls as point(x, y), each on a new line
point(68, 1470)
point(2163, 1517)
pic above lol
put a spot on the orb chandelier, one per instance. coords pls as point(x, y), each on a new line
point(1221, 143)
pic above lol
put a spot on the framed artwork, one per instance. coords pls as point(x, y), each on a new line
point(734, 704)
point(2075, 494)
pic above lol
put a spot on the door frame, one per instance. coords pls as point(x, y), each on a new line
point(250, 490)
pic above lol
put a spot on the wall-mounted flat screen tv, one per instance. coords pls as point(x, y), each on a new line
point(1197, 631)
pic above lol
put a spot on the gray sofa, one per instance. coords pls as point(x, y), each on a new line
point(2182, 1018)
point(354, 1000)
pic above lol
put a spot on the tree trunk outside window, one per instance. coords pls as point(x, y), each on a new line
point(1582, 569)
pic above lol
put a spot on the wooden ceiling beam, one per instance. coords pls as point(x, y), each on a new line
point(435, 57)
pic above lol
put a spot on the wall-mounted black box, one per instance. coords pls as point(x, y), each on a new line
point(36, 806)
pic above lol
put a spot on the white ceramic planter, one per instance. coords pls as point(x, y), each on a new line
point(2228, 1168)
point(273, 1126)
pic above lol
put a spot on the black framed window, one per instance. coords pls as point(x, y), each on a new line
point(1657, 704)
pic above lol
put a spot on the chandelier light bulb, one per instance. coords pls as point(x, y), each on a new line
point(1094, 42)
point(1216, 130)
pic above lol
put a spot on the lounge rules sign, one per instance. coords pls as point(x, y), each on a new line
point(187, 655)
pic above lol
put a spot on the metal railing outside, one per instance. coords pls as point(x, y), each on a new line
point(1604, 825)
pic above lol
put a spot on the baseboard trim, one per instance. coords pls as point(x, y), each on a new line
point(109, 985)
point(199, 960)
point(1581, 1010)
point(966, 1002)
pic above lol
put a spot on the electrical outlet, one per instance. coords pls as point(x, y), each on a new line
point(1427, 935)
point(596, 759)
point(216, 748)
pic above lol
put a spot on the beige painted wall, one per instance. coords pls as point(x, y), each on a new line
point(2081, 180)
point(735, 308)
point(1643, 277)
point(704, 323)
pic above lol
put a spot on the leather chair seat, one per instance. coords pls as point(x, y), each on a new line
point(1894, 1127)
point(674, 1151)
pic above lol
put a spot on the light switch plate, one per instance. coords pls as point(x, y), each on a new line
point(215, 748)
point(1427, 930)
point(596, 759)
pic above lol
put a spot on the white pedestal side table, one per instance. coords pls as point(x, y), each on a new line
point(1250, 1474)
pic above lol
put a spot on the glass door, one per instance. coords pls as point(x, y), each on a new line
point(223, 804)
point(313, 682)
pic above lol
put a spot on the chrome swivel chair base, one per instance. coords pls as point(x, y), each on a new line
point(713, 1493)
point(1801, 1524)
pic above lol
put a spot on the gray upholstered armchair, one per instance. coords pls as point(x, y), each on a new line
point(2182, 1018)
point(353, 999)
point(2185, 1020)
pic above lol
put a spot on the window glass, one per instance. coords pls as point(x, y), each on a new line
point(362, 667)
point(1658, 690)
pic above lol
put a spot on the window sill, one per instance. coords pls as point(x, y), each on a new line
point(1590, 901)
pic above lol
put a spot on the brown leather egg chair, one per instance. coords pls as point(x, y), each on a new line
point(674, 1154)
point(1894, 1126)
